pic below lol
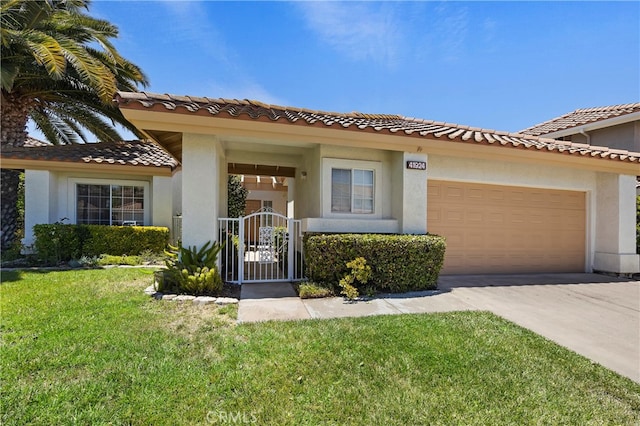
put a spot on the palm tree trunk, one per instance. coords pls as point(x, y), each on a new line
point(14, 112)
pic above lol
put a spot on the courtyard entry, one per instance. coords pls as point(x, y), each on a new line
point(262, 247)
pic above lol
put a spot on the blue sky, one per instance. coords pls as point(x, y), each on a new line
point(500, 65)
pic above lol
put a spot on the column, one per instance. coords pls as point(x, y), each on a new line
point(37, 201)
point(409, 192)
point(615, 240)
point(202, 157)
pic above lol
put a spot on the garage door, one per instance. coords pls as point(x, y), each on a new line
point(507, 229)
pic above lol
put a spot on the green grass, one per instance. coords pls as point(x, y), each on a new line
point(88, 347)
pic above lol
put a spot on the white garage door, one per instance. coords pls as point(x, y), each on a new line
point(507, 229)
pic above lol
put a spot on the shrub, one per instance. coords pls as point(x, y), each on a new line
point(129, 240)
point(110, 259)
point(60, 243)
point(191, 271)
point(360, 274)
point(236, 197)
point(399, 263)
point(311, 290)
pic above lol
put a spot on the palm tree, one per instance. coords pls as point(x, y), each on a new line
point(60, 69)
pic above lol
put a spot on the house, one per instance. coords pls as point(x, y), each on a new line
point(119, 183)
point(506, 202)
point(615, 126)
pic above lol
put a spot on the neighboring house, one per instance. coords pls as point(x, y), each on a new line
point(616, 126)
point(507, 203)
point(120, 183)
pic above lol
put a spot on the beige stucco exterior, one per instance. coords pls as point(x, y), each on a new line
point(50, 195)
point(210, 144)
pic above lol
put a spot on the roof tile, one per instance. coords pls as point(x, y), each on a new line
point(580, 117)
point(133, 153)
point(381, 123)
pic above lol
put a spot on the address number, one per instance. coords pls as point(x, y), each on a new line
point(417, 165)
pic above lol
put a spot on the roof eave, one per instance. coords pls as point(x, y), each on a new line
point(145, 118)
point(73, 166)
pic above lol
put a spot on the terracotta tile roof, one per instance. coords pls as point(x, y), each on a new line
point(379, 123)
point(31, 142)
point(581, 117)
point(132, 153)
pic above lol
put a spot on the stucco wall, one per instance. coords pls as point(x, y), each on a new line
point(307, 194)
point(202, 184)
point(623, 136)
point(50, 196)
point(177, 193)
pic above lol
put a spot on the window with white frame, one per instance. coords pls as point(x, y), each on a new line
point(352, 191)
point(109, 204)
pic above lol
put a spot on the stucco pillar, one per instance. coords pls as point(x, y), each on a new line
point(409, 193)
point(615, 242)
point(161, 201)
point(291, 193)
point(202, 160)
point(39, 188)
point(176, 181)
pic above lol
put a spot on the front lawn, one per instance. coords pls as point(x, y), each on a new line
point(88, 347)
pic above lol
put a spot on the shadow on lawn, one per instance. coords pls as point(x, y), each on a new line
point(10, 276)
point(14, 275)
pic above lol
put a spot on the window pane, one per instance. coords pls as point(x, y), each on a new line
point(109, 204)
point(363, 191)
point(340, 190)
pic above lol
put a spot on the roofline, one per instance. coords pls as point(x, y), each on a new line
point(288, 133)
point(588, 127)
point(73, 166)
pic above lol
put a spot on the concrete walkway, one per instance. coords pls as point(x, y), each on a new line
point(594, 315)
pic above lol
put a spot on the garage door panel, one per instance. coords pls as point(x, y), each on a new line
point(502, 229)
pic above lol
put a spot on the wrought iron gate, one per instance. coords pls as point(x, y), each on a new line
point(261, 247)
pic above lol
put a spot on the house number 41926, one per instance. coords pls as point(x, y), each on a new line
point(417, 165)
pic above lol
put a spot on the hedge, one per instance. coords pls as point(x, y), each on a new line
point(399, 263)
point(59, 242)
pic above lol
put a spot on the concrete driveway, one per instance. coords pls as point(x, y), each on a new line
point(594, 315)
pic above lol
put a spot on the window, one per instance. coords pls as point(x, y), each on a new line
point(109, 204)
point(352, 191)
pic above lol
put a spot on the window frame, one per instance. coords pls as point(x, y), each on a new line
point(329, 164)
point(72, 202)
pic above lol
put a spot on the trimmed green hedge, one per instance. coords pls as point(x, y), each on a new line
point(59, 242)
point(399, 263)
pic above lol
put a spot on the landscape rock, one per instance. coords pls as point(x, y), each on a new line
point(204, 300)
point(226, 301)
point(169, 296)
point(184, 298)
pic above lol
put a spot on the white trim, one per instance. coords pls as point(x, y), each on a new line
point(72, 199)
point(335, 163)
